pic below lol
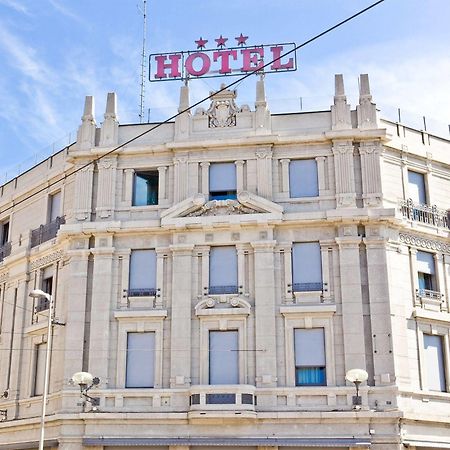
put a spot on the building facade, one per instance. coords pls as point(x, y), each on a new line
point(220, 275)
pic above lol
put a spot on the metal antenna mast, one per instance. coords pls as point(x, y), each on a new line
point(143, 61)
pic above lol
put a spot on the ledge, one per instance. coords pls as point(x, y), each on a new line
point(427, 314)
point(140, 313)
point(306, 309)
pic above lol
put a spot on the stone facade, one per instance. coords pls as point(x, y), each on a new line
point(338, 181)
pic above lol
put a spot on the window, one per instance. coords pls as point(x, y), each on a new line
point(434, 362)
point(140, 370)
point(145, 188)
point(416, 187)
point(142, 273)
point(39, 368)
point(303, 181)
point(223, 357)
point(310, 364)
point(4, 233)
point(55, 206)
point(306, 267)
point(223, 270)
point(222, 181)
point(426, 271)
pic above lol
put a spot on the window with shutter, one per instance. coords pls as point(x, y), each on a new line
point(222, 181)
point(303, 181)
point(310, 364)
point(142, 273)
point(223, 270)
point(223, 357)
point(140, 369)
point(306, 267)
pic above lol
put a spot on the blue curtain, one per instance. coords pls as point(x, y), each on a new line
point(312, 376)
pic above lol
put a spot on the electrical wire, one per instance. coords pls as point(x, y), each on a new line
point(160, 124)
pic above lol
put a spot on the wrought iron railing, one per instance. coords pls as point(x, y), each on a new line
point(427, 298)
point(142, 292)
point(427, 293)
point(217, 290)
point(46, 232)
point(5, 250)
point(431, 215)
point(307, 287)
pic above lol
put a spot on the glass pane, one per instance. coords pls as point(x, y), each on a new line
point(55, 206)
point(223, 270)
point(222, 177)
point(309, 347)
point(303, 180)
point(145, 189)
point(306, 266)
point(416, 187)
point(425, 262)
point(143, 269)
point(434, 360)
point(140, 360)
point(223, 357)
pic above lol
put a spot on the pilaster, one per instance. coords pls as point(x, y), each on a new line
point(239, 175)
point(83, 187)
point(162, 194)
point(265, 326)
point(264, 172)
point(370, 153)
point(106, 187)
point(181, 177)
point(285, 175)
point(205, 178)
point(344, 174)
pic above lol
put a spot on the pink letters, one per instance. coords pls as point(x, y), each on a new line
point(276, 53)
point(253, 59)
point(173, 65)
point(189, 64)
point(225, 56)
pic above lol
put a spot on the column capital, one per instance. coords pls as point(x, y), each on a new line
point(239, 162)
point(205, 164)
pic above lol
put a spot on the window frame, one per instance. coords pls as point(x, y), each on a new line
point(136, 174)
point(425, 186)
point(227, 289)
point(152, 291)
point(5, 237)
point(222, 194)
point(127, 360)
point(209, 355)
point(293, 270)
point(50, 211)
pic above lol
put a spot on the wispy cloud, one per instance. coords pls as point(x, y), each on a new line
point(16, 5)
point(65, 11)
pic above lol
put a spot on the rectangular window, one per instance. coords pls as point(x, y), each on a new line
point(434, 362)
point(145, 188)
point(4, 233)
point(303, 180)
point(306, 267)
point(55, 206)
point(310, 363)
point(223, 357)
point(426, 271)
point(416, 187)
point(140, 372)
point(39, 369)
point(223, 270)
point(222, 181)
point(142, 273)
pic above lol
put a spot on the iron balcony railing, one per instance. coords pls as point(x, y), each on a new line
point(431, 215)
point(218, 290)
point(5, 250)
point(308, 287)
point(429, 294)
point(46, 232)
point(142, 292)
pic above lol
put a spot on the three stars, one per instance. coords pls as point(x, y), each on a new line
point(241, 41)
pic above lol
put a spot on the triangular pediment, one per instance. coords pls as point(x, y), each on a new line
point(245, 206)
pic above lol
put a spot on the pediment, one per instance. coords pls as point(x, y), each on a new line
point(246, 206)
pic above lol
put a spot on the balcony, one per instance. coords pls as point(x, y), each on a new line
point(46, 232)
point(309, 287)
point(430, 215)
point(221, 290)
point(428, 299)
point(142, 292)
point(5, 250)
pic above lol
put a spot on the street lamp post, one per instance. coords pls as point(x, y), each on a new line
point(357, 376)
point(37, 293)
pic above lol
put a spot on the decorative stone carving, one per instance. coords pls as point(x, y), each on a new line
point(427, 244)
point(222, 207)
point(4, 276)
point(223, 109)
point(46, 260)
point(222, 304)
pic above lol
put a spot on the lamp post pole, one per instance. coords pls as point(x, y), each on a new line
point(36, 294)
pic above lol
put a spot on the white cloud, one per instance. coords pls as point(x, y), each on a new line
point(16, 5)
point(65, 11)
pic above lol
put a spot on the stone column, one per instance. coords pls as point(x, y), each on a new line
point(205, 178)
point(285, 175)
point(106, 194)
point(83, 188)
point(239, 175)
point(162, 194)
point(321, 175)
point(352, 311)
point(370, 153)
point(102, 283)
point(180, 352)
point(181, 177)
point(264, 172)
point(344, 174)
point(127, 186)
point(265, 326)
point(380, 311)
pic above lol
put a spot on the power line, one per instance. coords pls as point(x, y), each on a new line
point(160, 124)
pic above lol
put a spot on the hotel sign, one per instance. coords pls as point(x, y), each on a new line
point(221, 61)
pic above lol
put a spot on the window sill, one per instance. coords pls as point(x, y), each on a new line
point(303, 309)
point(421, 313)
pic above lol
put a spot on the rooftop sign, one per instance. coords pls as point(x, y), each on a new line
point(221, 61)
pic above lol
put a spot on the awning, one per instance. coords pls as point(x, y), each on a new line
point(224, 441)
point(426, 444)
point(48, 443)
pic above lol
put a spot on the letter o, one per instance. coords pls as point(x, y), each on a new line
point(189, 64)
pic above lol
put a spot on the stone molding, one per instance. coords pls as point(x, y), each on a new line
point(46, 260)
point(428, 244)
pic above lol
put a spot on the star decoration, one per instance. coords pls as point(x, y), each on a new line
point(201, 43)
point(221, 41)
point(241, 39)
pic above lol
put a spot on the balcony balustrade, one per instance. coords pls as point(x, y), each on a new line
point(429, 299)
point(430, 215)
point(309, 287)
point(142, 292)
point(223, 397)
point(220, 290)
point(46, 232)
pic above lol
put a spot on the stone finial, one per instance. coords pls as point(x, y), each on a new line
point(262, 114)
point(366, 110)
point(184, 98)
point(109, 133)
point(340, 111)
point(86, 131)
point(260, 93)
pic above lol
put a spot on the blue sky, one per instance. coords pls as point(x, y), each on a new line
point(55, 52)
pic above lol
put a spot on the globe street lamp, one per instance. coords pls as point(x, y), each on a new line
point(37, 293)
point(86, 381)
point(356, 376)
